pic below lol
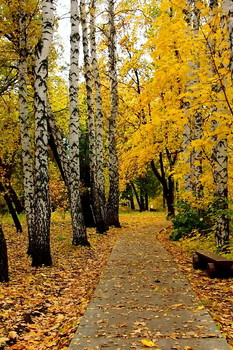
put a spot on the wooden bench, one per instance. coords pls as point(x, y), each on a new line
point(215, 265)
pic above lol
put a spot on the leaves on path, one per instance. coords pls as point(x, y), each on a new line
point(148, 343)
point(41, 308)
point(215, 294)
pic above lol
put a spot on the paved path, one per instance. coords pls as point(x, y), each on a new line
point(143, 296)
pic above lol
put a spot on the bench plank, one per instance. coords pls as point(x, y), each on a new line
point(215, 265)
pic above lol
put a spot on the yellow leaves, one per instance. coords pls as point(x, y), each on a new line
point(3, 340)
point(201, 307)
point(148, 343)
point(12, 335)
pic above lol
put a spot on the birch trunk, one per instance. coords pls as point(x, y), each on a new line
point(41, 240)
point(227, 6)
point(188, 187)
point(78, 225)
point(57, 146)
point(100, 180)
point(97, 210)
point(198, 119)
point(220, 171)
point(192, 179)
point(113, 199)
point(25, 128)
point(4, 276)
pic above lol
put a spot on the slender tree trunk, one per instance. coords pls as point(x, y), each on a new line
point(57, 146)
point(220, 158)
point(113, 198)
point(100, 201)
point(79, 229)
point(188, 186)
point(11, 208)
point(98, 214)
point(191, 177)
point(25, 127)
point(227, 6)
point(198, 119)
point(198, 132)
point(168, 185)
point(221, 195)
point(41, 238)
point(146, 202)
point(4, 276)
point(136, 195)
point(132, 205)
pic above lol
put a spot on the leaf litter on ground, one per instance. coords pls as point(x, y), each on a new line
point(41, 308)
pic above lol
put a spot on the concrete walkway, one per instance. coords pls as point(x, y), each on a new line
point(143, 297)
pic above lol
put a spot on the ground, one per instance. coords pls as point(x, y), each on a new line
point(41, 308)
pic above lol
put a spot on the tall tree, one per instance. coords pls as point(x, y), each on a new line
point(79, 229)
point(219, 157)
point(100, 180)
point(4, 277)
point(113, 198)
point(97, 204)
point(25, 126)
point(41, 236)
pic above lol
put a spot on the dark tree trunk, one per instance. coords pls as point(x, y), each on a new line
point(11, 209)
point(167, 184)
point(132, 205)
point(136, 195)
point(146, 202)
point(142, 203)
point(87, 210)
point(4, 277)
point(14, 198)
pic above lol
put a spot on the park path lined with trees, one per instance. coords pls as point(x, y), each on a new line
point(144, 117)
point(134, 110)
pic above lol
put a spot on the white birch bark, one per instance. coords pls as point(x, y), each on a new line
point(78, 225)
point(41, 248)
point(113, 199)
point(193, 158)
point(220, 171)
point(25, 128)
point(187, 134)
point(98, 213)
point(188, 187)
point(198, 119)
point(100, 180)
point(227, 7)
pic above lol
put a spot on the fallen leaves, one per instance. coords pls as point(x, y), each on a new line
point(148, 343)
point(40, 308)
point(215, 294)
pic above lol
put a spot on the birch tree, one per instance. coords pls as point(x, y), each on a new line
point(79, 229)
point(41, 237)
point(98, 210)
point(193, 159)
point(220, 158)
point(26, 142)
point(113, 198)
point(100, 180)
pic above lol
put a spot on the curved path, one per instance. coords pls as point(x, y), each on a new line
point(143, 299)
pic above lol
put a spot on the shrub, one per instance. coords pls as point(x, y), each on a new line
point(188, 221)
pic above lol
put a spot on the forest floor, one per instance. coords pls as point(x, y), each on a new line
point(41, 308)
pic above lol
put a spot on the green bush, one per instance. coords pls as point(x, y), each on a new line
point(188, 221)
